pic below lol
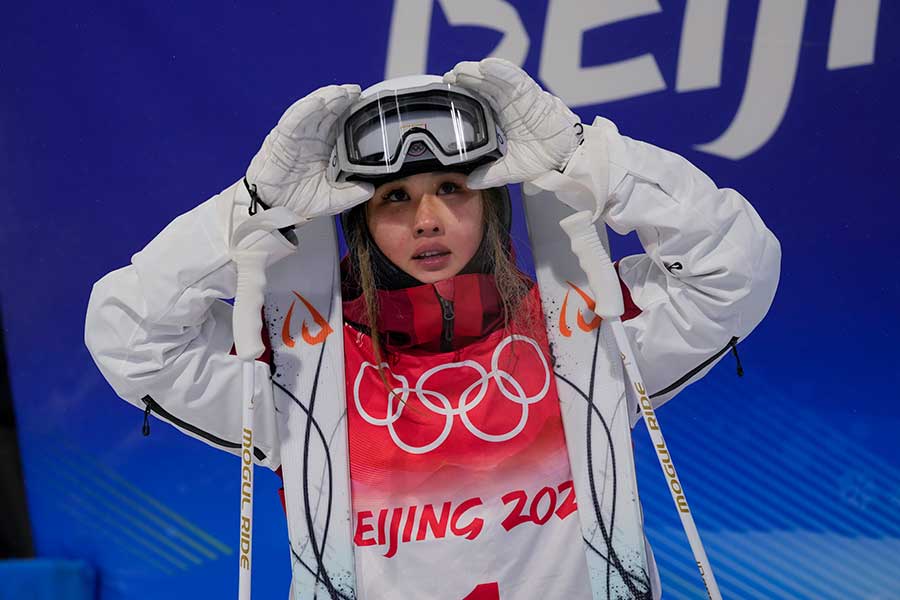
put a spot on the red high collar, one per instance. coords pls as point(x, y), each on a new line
point(414, 318)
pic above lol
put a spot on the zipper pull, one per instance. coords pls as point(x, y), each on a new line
point(254, 197)
point(447, 308)
point(449, 315)
point(740, 368)
point(145, 428)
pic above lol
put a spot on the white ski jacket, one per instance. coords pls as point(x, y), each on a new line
point(161, 332)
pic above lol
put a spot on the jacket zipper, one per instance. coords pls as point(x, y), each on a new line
point(145, 428)
point(732, 344)
point(153, 406)
point(447, 317)
point(737, 359)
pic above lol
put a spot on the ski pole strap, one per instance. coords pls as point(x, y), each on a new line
point(251, 277)
point(595, 262)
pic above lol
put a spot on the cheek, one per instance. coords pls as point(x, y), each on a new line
point(471, 228)
point(391, 235)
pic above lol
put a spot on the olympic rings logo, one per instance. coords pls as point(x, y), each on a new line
point(471, 397)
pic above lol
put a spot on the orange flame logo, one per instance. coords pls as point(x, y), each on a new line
point(585, 326)
point(324, 328)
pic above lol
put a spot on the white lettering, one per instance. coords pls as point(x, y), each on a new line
point(771, 75)
point(411, 28)
point(854, 27)
point(702, 41)
point(493, 14)
point(408, 38)
point(561, 66)
point(773, 68)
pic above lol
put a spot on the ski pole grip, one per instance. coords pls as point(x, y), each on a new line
point(248, 303)
point(595, 262)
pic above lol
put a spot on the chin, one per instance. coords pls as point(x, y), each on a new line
point(434, 276)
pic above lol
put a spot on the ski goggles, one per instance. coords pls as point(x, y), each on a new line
point(434, 125)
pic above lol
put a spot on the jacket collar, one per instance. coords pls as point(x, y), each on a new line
point(414, 317)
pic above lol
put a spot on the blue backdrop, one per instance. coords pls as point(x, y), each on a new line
point(116, 117)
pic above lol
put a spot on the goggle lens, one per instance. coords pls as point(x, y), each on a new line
point(446, 121)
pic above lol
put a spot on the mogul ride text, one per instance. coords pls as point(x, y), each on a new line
point(403, 524)
point(661, 450)
point(246, 491)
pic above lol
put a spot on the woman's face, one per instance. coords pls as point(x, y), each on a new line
point(430, 224)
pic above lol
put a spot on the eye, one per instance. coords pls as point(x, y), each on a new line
point(449, 187)
point(396, 195)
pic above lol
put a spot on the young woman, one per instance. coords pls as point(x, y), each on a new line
point(450, 412)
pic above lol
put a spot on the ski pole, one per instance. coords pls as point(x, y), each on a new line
point(246, 321)
point(604, 283)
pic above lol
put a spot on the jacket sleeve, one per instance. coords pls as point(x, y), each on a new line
point(710, 267)
point(160, 330)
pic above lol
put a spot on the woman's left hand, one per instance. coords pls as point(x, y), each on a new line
point(541, 132)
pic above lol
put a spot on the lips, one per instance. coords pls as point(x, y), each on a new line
point(432, 257)
point(430, 252)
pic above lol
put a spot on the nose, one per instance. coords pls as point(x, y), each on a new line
point(428, 217)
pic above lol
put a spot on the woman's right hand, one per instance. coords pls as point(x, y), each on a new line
point(289, 170)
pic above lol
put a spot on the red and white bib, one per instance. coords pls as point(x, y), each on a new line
point(460, 479)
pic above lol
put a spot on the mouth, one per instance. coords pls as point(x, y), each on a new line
point(432, 258)
point(430, 250)
point(430, 254)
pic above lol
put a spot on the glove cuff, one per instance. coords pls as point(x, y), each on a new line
point(274, 233)
point(583, 183)
point(256, 203)
point(579, 137)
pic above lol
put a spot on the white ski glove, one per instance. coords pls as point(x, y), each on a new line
point(289, 170)
point(541, 132)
